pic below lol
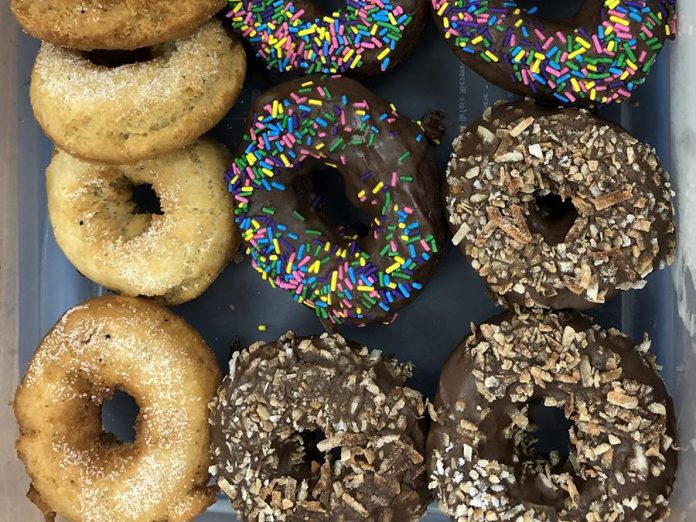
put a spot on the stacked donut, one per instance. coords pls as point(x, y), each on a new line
point(125, 92)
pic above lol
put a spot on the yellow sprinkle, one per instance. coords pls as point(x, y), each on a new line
point(262, 328)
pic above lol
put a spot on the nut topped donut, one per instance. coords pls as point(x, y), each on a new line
point(389, 174)
point(159, 228)
point(85, 475)
point(485, 451)
point(600, 55)
point(558, 209)
point(319, 429)
point(123, 107)
point(122, 24)
point(366, 37)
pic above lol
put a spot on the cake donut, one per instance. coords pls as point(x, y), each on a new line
point(389, 173)
point(483, 457)
point(558, 209)
point(601, 55)
point(366, 37)
point(98, 109)
point(159, 228)
point(128, 24)
point(321, 429)
point(85, 475)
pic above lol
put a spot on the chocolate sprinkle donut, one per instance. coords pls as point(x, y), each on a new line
point(319, 428)
point(558, 209)
point(482, 450)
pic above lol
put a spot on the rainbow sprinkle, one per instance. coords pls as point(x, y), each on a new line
point(287, 38)
point(602, 65)
point(325, 121)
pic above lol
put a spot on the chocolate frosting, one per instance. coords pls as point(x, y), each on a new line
point(558, 208)
point(390, 174)
point(319, 428)
point(480, 452)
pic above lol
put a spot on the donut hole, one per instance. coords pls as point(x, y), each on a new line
point(551, 216)
point(145, 199)
point(552, 9)
point(313, 456)
point(114, 59)
point(119, 416)
point(329, 7)
point(330, 200)
point(552, 434)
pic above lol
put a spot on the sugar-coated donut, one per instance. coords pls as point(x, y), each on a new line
point(170, 249)
point(320, 429)
point(85, 475)
point(601, 55)
point(366, 37)
point(126, 113)
point(482, 452)
point(124, 24)
point(389, 173)
point(558, 208)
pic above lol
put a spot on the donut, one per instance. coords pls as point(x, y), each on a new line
point(389, 172)
point(558, 209)
point(85, 475)
point(128, 24)
point(97, 108)
point(483, 456)
point(321, 429)
point(365, 38)
point(159, 228)
point(601, 55)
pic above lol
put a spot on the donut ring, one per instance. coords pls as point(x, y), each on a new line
point(280, 399)
point(367, 37)
point(480, 452)
point(126, 24)
point(599, 56)
point(171, 255)
point(139, 110)
point(84, 475)
point(390, 174)
point(558, 209)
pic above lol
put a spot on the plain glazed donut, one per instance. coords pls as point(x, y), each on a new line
point(482, 455)
point(83, 474)
point(170, 251)
point(123, 24)
point(558, 208)
point(125, 113)
point(319, 429)
point(601, 55)
point(367, 37)
point(389, 173)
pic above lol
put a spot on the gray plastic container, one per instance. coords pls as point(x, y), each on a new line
point(37, 283)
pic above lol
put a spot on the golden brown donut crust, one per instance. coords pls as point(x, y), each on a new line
point(133, 345)
point(139, 110)
point(172, 257)
point(112, 24)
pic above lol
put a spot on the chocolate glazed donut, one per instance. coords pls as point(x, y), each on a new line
point(601, 55)
point(389, 173)
point(367, 37)
point(483, 457)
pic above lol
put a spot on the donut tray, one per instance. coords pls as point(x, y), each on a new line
point(37, 283)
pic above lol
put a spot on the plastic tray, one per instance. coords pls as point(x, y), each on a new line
point(38, 284)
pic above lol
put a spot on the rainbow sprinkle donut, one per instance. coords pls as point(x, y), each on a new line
point(365, 38)
point(601, 55)
point(389, 173)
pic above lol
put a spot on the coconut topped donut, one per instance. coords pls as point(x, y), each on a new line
point(484, 453)
point(558, 209)
point(601, 55)
point(121, 24)
point(319, 429)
